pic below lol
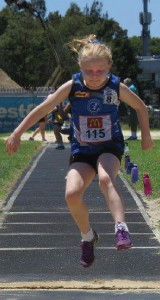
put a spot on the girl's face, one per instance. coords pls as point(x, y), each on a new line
point(95, 71)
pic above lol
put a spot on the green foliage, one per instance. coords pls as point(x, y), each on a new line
point(73, 10)
point(26, 55)
point(4, 17)
point(155, 46)
point(22, 50)
point(54, 19)
point(40, 6)
point(136, 44)
point(126, 65)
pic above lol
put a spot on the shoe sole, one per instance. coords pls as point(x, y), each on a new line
point(124, 247)
point(87, 266)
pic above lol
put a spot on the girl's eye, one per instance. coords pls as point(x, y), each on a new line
point(100, 72)
point(89, 72)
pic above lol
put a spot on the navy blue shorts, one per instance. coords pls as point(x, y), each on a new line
point(91, 159)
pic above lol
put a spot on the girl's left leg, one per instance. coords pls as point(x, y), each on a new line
point(108, 166)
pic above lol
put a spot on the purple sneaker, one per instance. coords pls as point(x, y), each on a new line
point(123, 239)
point(87, 257)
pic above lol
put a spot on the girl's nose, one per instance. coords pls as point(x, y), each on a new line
point(94, 73)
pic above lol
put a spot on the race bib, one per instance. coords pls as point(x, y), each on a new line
point(95, 129)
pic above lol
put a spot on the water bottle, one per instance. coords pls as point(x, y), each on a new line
point(127, 157)
point(127, 160)
point(147, 185)
point(126, 149)
point(130, 165)
point(134, 174)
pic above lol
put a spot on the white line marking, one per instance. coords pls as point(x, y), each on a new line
point(152, 247)
point(10, 202)
point(63, 223)
point(140, 205)
point(66, 234)
point(60, 212)
point(71, 248)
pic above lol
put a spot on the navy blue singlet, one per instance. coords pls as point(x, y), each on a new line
point(95, 117)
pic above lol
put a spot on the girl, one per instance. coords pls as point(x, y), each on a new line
point(97, 143)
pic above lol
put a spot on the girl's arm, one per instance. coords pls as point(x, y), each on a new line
point(136, 103)
point(13, 142)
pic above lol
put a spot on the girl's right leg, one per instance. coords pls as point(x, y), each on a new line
point(79, 177)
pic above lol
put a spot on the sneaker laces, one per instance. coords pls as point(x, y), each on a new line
point(122, 234)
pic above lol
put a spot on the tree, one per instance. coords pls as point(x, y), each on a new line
point(94, 14)
point(155, 46)
point(4, 16)
point(74, 9)
point(136, 44)
point(125, 62)
point(40, 6)
point(96, 10)
point(54, 18)
point(24, 57)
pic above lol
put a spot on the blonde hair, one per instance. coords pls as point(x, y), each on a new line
point(90, 46)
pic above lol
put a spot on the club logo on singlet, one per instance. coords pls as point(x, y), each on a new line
point(94, 106)
point(110, 96)
point(80, 94)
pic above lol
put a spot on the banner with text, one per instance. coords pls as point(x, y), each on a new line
point(14, 109)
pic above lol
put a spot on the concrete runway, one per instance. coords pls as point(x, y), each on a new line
point(39, 242)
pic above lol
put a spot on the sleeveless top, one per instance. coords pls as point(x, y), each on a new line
point(95, 122)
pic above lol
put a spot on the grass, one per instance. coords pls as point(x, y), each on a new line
point(11, 167)
point(147, 162)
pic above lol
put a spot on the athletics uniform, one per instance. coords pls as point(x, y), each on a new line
point(57, 116)
point(95, 122)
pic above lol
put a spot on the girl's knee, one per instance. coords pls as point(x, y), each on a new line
point(73, 196)
point(104, 181)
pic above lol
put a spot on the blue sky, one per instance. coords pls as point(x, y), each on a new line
point(125, 12)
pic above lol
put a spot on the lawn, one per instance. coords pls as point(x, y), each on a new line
point(11, 167)
point(147, 162)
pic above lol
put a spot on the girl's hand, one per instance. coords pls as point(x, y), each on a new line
point(12, 143)
point(147, 144)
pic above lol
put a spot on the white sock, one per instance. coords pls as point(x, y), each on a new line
point(134, 134)
point(87, 237)
point(120, 226)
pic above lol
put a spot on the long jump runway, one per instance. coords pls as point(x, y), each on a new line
point(39, 241)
